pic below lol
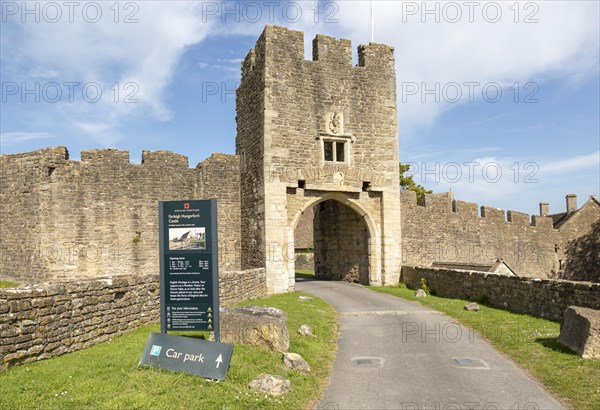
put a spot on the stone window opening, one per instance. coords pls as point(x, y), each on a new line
point(334, 151)
point(366, 186)
point(301, 184)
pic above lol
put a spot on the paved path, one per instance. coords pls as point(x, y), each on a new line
point(396, 354)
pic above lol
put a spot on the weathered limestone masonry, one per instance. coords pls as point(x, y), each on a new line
point(341, 254)
point(314, 131)
point(51, 319)
point(547, 298)
point(99, 217)
point(446, 230)
point(237, 286)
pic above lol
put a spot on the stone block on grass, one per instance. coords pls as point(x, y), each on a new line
point(256, 326)
point(271, 384)
point(305, 330)
point(472, 307)
point(580, 331)
point(295, 362)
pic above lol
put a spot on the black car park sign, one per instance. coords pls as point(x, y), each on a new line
point(188, 355)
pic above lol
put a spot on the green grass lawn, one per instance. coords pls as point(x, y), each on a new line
point(530, 342)
point(106, 376)
point(8, 284)
point(305, 273)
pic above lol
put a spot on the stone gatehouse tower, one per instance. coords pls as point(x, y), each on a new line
point(322, 134)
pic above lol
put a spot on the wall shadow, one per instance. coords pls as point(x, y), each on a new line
point(583, 257)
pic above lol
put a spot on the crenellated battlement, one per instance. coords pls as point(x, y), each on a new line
point(444, 203)
point(105, 156)
point(52, 154)
point(517, 217)
point(331, 50)
point(375, 55)
point(441, 229)
point(492, 214)
point(57, 156)
point(469, 209)
point(283, 44)
point(164, 158)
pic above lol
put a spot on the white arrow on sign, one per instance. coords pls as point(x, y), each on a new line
point(219, 360)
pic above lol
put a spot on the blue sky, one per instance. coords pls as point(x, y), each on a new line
point(160, 75)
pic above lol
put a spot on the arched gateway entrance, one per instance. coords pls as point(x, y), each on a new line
point(319, 132)
point(345, 240)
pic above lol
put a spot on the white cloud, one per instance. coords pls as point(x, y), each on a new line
point(571, 165)
point(12, 138)
point(43, 72)
point(509, 182)
point(124, 59)
point(564, 43)
point(231, 65)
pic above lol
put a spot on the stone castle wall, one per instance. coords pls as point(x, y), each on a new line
point(52, 319)
point(99, 216)
point(547, 298)
point(443, 230)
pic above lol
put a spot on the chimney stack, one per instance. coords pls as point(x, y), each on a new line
point(544, 209)
point(571, 203)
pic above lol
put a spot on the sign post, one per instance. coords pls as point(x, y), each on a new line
point(189, 291)
point(189, 280)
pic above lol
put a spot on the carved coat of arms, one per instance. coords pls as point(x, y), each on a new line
point(335, 122)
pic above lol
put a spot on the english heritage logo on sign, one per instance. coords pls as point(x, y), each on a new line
point(189, 266)
point(187, 355)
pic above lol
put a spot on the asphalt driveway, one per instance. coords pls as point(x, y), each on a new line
point(396, 354)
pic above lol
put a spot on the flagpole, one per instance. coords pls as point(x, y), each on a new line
point(371, 22)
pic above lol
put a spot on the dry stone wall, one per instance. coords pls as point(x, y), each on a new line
point(53, 319)
point(47, 320)
point(547, 298)
point(99, 216)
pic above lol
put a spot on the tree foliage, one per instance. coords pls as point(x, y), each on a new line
point(408, 183)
